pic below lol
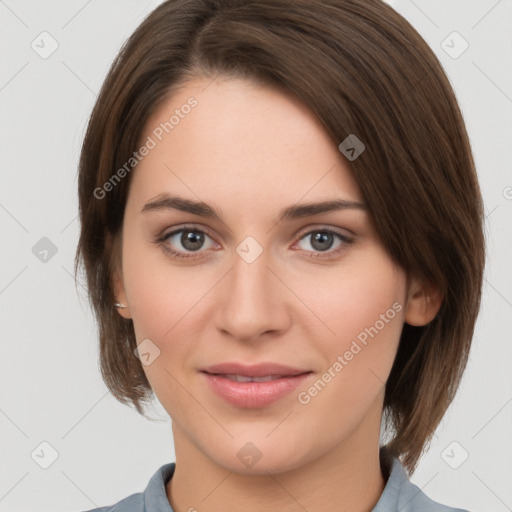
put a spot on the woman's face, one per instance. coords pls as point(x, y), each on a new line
point(312, 291)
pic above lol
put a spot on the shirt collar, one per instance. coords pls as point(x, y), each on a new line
point(155, 497)
point(389, 498)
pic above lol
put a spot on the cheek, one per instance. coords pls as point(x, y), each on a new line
point(359, 310)
point(161, 295)
point(166, 304)
point(352, 297)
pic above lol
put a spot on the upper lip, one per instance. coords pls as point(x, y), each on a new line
point(257, 370)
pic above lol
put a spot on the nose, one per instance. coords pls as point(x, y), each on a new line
point(253, 302)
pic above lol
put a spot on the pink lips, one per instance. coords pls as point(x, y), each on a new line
point(279, 381)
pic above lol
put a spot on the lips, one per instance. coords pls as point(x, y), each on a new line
point(253, 386)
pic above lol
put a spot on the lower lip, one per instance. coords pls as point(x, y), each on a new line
point(253, 394)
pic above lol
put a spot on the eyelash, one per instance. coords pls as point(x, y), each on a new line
point(161, 241)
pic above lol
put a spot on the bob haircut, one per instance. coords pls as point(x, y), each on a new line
point(363, 70)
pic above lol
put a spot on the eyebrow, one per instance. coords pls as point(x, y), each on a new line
point(166, 202)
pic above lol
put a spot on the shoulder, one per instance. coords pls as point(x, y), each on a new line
point(153, 498)
point(413, 499)
point(400, 494)
point(132, 503)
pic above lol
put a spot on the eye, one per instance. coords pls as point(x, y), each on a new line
point(183, 242)
point(322, 241)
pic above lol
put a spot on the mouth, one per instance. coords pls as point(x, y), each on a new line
point(246, 390)
point(265, 369)
point(246, 378)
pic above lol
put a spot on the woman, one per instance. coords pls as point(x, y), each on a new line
point(281, 229)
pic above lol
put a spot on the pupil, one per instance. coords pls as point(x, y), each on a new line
point(320, 239)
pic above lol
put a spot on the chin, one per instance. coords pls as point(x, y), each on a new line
point(250, 460)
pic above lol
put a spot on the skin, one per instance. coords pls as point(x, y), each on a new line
point(250, 151)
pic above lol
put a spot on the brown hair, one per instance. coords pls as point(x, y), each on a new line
point(363, 70)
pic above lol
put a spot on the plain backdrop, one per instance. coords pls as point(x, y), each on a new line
point(55, 410)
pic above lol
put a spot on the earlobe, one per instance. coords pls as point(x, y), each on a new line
point(423, 304)
point(120, 301)
point(121, 304)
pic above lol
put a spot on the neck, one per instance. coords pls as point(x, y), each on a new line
point(348, 477)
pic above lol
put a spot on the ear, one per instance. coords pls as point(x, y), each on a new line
point(423, 302)
point(114, 248)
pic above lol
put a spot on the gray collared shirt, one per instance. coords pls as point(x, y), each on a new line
point(399, 495)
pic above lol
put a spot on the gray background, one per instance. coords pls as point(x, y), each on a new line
point(50, 386)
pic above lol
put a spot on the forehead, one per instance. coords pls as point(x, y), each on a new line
point(240, 143)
